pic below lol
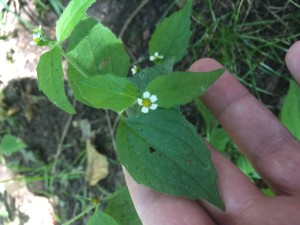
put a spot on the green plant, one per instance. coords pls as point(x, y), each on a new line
point(10, 144)
point(6, 8)
point(119, 210)
point(240, 35)
point(291, 110)
point(219, 139)
point(155, 143)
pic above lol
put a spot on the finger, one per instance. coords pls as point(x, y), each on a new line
point(268, 145)
point(237, 191)
point(157, 208)
point(244, 203)
point(293, 60)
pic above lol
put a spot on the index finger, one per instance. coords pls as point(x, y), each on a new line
point(261, 137)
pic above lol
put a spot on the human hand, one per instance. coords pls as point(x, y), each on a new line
point(272, 150)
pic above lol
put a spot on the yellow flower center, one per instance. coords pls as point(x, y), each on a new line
point(36, 40)
point(146, 102)
point(95, 201)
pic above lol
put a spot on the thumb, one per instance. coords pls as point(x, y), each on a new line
point(292, 60)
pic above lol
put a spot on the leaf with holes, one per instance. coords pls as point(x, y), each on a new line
point(164, 152)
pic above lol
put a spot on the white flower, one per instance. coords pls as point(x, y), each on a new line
point(135, 70)
point(38, 37)
point(147, 102)
point(156, 57)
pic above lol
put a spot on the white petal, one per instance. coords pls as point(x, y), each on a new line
point(156, 54)
point(153, 106)
point(146, 94)
point(140, 101)
point(32, 43)
point(145, 110)
point(133, 70)
point(153, 98)
point(152, 58)
point(161, 57)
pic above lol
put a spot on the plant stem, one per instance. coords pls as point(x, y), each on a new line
point(111, 130)
point(80, 215)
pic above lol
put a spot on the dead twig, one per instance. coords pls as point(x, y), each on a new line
point(131, 17)
point(111, 130)
point(59, 148)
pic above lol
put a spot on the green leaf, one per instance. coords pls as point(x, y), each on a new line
point(209, 118)
point(172, 35)
point(290, 113)
point(95, 50)
point(244, 165)
point(100, 218)
point(50, 79)
point(143, 78)
point(267, 192)
point(74, 12)
point(164, 152)
point(120, 207)
point(181, 87)
point(11, 144)
point(219, 139)
point(108, 92)
point(73, 76)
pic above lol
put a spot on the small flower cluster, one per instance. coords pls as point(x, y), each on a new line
point(135, 70)
point(156, 58)
point(38, 37)
point(147, 102)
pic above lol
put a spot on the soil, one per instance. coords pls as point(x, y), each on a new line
point(40, 124)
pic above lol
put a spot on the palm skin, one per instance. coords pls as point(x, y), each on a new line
point(272, 150)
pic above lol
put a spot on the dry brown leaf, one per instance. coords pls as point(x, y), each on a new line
point(13, 110)
point(97, 165)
